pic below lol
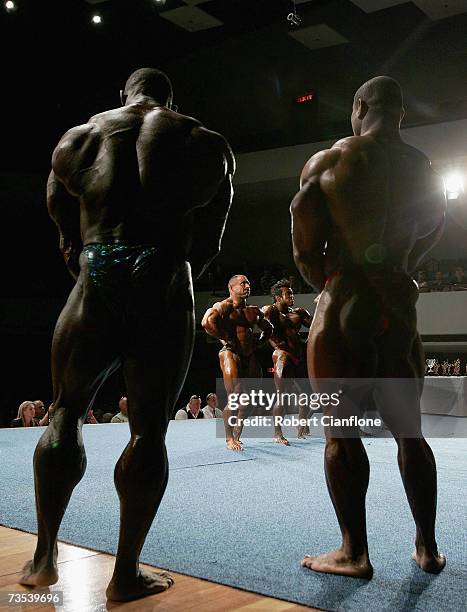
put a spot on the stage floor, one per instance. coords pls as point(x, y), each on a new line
point(247, 519)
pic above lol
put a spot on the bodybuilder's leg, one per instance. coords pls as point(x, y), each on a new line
point(83, 355)
point(399, 406)
point(346, 462)
point(283, 374)
point(304, 409)
point(229, 363)
point(250, 370)
point(161, 336)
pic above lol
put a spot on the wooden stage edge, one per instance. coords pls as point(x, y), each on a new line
point(84, 575)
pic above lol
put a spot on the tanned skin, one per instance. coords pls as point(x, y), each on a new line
point(367, 211)
point(137, 175)
point(288, 353)
point(232, 322)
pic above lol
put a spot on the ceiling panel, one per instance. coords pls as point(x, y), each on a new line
point(439, 9)
point(318, 36)
point(371, 6)
point(191, 18)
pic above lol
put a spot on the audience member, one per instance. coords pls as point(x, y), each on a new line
point(40, 415)
point(211, 411)
point(107, 417)
point(90, 418)
point(422, 282)
point(25, 416)
point(122, 416)
point(459, 280)
point(48, 416)
point(191, 411)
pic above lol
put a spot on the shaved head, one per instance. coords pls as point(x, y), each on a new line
point(234, 278)
point(381, 93)
point(150, 82)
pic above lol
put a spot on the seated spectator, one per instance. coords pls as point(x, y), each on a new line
point(25, 416)
point(90, 418)
point(98, 414)
point(439, 283)
point(422, 282)
point(191, 411)
point(40, 413)
point(122, 416)
point(459, 281)
point(211, 411)
point(48, 416)
point(107, 417)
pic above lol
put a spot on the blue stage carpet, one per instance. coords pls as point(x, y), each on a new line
point(247, 519)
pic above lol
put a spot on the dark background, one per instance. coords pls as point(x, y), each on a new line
point(241, 79)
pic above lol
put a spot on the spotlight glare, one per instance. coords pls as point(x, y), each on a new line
point(160, 2)
point(96, 19)
point(454, 185)
point(10, 5)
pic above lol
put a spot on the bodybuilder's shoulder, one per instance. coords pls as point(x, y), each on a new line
point(215, 143)
point(74, 141)
point(268, 311)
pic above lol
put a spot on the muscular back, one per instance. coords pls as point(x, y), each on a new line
point(137, 171)
point(378, 200)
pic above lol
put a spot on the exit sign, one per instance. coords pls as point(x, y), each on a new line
point(308, 97)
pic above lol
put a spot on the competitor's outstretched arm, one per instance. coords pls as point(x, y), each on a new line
point(64, 211)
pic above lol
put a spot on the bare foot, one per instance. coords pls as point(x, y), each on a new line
point(429, 562)
point(336, 562)
point(303, 432)
point(279, 439)
point(39, 575)
point(234, 445)
point(145, 583)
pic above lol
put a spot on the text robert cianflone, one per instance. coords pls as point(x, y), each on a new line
point(263, 399)
point(313, 421)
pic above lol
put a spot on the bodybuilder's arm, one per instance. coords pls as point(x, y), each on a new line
point(62, 203)
point(266, 328)
point(305, 316)
point(424, 246)
point(210, 219)
point(310, 221)
point(268, 312)
point(435, 215)
point(64, 210)
point(211, 320)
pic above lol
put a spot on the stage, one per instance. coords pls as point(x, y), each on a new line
point(247, 519)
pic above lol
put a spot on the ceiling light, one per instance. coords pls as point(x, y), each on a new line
point(10, 5)
point(96, 19)
point(454, 185)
